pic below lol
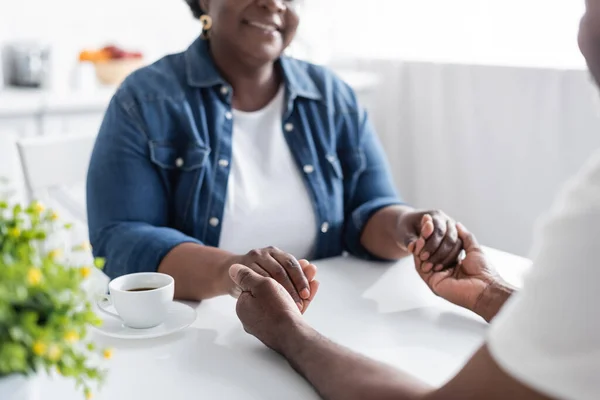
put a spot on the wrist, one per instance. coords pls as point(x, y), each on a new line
point(403, 228)
point(492, 299)
point(295, 336)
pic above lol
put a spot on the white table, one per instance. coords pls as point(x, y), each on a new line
point(382, 310)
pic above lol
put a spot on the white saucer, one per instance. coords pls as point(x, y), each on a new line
point(180, 316)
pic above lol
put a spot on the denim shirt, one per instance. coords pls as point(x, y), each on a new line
point(159, 170)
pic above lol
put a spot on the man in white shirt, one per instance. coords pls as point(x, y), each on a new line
point(544, 342)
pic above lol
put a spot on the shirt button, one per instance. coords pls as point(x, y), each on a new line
point(214, 222)
point(223, 163)
point(288, 127)
point(325, 227)
point(224, 90)
point(309, 169)
point(228, 115)
point(179, 162)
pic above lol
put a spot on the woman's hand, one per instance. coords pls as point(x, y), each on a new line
point(432, 236)
point(295, 276)
point(473, 283)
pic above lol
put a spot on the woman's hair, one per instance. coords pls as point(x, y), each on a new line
point(195, 7)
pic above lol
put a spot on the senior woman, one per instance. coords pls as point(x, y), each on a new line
point(231, 153)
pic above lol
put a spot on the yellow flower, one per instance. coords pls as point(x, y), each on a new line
point(88, 394)
point(34, 276)
point(38, 207)
point(14, 232)
point(71, 337)
point(39, 348)
point(54, 216)
point(107, 354)
point(85, 272)
point(54, 254)
point(54, 353)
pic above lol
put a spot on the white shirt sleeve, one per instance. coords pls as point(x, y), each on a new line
point(548, 335)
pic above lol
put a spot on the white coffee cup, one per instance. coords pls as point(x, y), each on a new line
point(141, 300)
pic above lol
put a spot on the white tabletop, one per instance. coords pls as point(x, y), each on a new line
point(381, 310)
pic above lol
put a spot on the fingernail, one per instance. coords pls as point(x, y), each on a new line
point(305, 294)
point(427, 267)
point(299, 306)
point(439, 267)
point(425, 256)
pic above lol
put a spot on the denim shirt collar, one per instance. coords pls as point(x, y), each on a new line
point(202, 72)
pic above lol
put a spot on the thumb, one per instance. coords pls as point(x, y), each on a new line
point(427, 226)
point(244, 277)
point(469, 242)
point(412, 235)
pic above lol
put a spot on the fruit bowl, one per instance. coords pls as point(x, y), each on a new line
point(113, 72)
point(112, 64)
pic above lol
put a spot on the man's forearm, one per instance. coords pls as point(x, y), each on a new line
point(492, 300)
point(380, 235)
point(200, 272)
point(340, 374)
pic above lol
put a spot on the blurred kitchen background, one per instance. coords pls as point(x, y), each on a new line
point(484, 106)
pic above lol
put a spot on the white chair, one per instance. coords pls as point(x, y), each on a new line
point(12, 185)
point(55, 169)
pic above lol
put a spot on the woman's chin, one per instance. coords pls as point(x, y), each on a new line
point(265, 53)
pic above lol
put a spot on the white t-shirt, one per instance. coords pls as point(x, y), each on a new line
point(548, 335)
point(268, 203)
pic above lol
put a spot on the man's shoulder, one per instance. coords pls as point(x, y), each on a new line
point(581, 193)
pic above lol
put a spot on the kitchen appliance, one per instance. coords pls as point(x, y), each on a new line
point(29, 65)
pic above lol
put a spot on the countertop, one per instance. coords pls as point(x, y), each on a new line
point(15, 102)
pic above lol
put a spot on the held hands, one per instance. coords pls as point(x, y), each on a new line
point(296, 277)
point(265, 308)
point(465, 283)
point(432, 236)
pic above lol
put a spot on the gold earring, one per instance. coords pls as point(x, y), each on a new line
point(206, 22)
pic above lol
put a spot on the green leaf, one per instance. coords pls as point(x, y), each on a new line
point(18, 334)
point(13, 358)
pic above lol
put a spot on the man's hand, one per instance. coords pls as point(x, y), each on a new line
point(281, 266)
point(432, 236)
point(265, 308)
point(468, 283)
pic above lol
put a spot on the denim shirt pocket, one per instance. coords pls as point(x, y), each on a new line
point(185, 168)
point(171, 157)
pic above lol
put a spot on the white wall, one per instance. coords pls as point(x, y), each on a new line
point(491, 146)
point(483, 31)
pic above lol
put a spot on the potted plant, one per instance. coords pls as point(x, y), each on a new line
point(45, 312)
